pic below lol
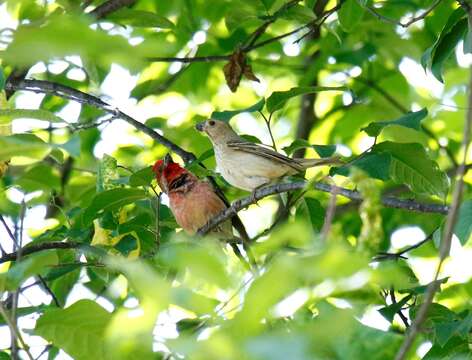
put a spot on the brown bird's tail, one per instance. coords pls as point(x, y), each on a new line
point(308, 163)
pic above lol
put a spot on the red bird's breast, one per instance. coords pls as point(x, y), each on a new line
point(193, 208)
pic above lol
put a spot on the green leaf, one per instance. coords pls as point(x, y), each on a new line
point(26, 145)
point(411, 120)
point(278, 98)
point(8, 115)
point(322, 150)
point(463, 227)
point(139, 18)
point(298, 13)
point(64, 35)
point(202, 260)
point(410, 165)
point(2, 80)
point(228, 114)
point(454, 30)
point(78, 330)
point(455, 349)
point(72, 146)
point(32, 265)
point(444, 331)
point(316, 212)
point(376, 166)
point(142, 177)
point(111, 200)
point(389, 312)
point(24, 311)
point(350, 15)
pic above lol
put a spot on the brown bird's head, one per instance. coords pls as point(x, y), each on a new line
point(170, 175)
point(218, 131)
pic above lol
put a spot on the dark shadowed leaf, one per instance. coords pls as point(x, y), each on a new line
point(278, 98)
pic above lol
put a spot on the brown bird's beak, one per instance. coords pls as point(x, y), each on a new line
point(200, 126)
point(167, 160)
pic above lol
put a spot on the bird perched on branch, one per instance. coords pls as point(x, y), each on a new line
point(248, 166)
point(192, 201)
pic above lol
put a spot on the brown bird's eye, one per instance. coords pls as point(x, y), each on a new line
point(211, 122)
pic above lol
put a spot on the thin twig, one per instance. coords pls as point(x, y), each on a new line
point(30, 249)
point(49, 291)
point(331, 210)
point(399, 255)
point(446, 236)
point(263, 192)
point(267, 121)
point(15, 331)
point(399, 312)
point(395, 22)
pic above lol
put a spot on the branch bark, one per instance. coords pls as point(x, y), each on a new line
point(31, 249)
point(47, 87)
point(261, 193)
point(109, 6)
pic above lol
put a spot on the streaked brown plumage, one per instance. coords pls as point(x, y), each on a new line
point(248, 166)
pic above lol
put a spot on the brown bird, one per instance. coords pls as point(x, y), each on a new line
point(192, 201)
point(248, 166)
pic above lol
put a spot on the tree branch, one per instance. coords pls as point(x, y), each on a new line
point(381, 256)
point(47, 87)
point(251, 46)
point(261, 193)
point(30, 249)
point(108, 7)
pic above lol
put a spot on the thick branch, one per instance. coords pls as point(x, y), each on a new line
point(392, 202)
point(109, 6)
point(30, 249)
point(47, 87)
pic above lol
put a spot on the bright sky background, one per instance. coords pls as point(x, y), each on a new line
point(116, 89)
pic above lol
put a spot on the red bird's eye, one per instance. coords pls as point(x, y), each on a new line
point(211, 122)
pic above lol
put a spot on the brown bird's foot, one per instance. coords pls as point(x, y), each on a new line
point(253, 194)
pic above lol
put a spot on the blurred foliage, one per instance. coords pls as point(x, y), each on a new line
point(323, 77)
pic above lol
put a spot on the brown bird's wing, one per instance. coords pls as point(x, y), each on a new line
point(264, 152)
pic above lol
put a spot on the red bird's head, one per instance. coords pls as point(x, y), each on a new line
point(168, 172)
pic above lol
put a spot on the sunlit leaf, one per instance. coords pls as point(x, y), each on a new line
point(78, 329)
point(8, 115)
point(228, 114)
point(26, 145)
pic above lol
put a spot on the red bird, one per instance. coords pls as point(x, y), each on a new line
point(192, 201)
